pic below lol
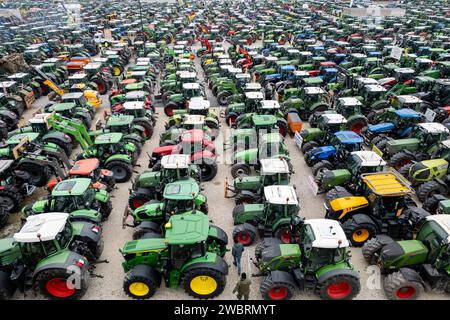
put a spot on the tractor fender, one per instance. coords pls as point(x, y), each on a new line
point(120, 157)
point(130, 147)
point(102, 195)
point(85, 214)
point(339, 269)
point(150, 226)
point(138, 130)
point(319, 107)
point(282, 277)
point(200, 199)
point(58, 136)
point(62, 260)
point(218, 234)
point(384, 239)
point(203, 155)
point(281, 222)
point(83, 231)
point(213, 261)
point(363, 219)
point(133, 137)
point(211, 119)
point(411, 275)
point(149, 272)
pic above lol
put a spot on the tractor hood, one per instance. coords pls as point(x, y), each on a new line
point(247, 183)
point(248, 212)
point(9, 251)
point(148, 211)
point(394, 146)
point(381, 127)
point(322, 152)
point(162, 151)
point(246, 156)
point(148, 179)
point(310, 134)
point(403, 253)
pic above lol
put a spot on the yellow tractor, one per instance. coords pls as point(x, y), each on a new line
point(385, 207)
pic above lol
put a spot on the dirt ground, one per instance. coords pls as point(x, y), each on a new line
point(220, 209)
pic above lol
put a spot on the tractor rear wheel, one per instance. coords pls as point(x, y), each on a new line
point(9, 201)
point(231, 119)
point(244, 234)
point(105, 209)
point(39, 175)
point(375, 140)
point(356, 124)
point(67, 147)
point(307, 146)
point(339, 287)
point(431, 204)
point(397, 287)
point(54, 284)
point(151, 235)
point(429, 188)
point(122, 171)
point(404, 171)
point(208, 169)
point(148, 128)
point(7, 287)
point(283, 233)
point(400, 159)
point(246, 198)
point(222, 98)
point(141, 282)
point(279, 290)
point(169, 108)
point(358, 234)
point(137, 199)
point(283, 127)
point(203, 283)
point(370, 248)
point(337, 192)
point(240, 170)
point(320, 167)
point(381, 145)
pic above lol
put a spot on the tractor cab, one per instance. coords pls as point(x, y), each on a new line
point(274, 171)
point(138, 109)
point(348, 106)
point(192, 89)
point(373, 92)
point(313, 95)
point(120, 123)
point(175, 167)
point(404, 117)
point(66, 109)
point(252, 87)
point(266, 107)
point(193, 121)
point(271, 145)
point(347, 141)
point(108, 144)
point(186, 76)
point(252, 100)
point(430, 133)
point(331, 122)
point(406, 102)
point(280, 201)
point(441, 89)
point(402, 75)
point(242, 79)
point(77, 82)
point(77, 98)
point(423, 64)
point(361, 162)
point(199, 106)
point(180, 197)
point(193, 141)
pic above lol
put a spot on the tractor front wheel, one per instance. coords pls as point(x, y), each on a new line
point(208, 169)
point(122, 171)
point(137, 200)
point(105, 209)
point(283, 233)
point(370, 249)
point(55, 284)
point(400, 159)
point(39, 175)
point(429, 188)
point(276, 290)
point(240, 170)
point(307, 146)
point(246, 198)
point(203, 283)
point(339, 287)
point(244, 234)
point(321, 167)
point(9, 201)
point(358, 234)
point(141, 282)
point(397, 287)
point(148, 128)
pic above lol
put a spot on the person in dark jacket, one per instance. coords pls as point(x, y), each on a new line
point(236, 251)
point(242, 287)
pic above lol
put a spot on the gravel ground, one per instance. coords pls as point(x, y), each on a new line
point(220, 209)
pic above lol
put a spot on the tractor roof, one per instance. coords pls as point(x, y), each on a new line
point(433, 127)
point(368, 158)
point(270, 104)
point(313, 90)
point(175, 161)
point(133, 105)
point(187, 74)
point(349, 101)
point(242, 76)
point(253, 86)
point(404, 70)
point(134, 86)
point(424, 60)
point(84, 166)
point(191, 86)
point(78, 76)
point(194, 119)
point(408, 99)
point(109, 138)
point(348, 137)
point(288, 68)
point(187, 229)
point(71, 187)
point(333, 118)
point(386, 184)
point(328, 234)
point(120, 120)
point(199, 103)
point(313, 81)
point(58, 107)
point(72, 95)
point(407, 113)
point(135, 95)
point(254, 95)
point(193, 136)
point(5, 164)
point(7, 84)
point(446, 143)
point(443, 220)
point(17, 138)
point(92, 66)
point(374, 88)
point(366, 81)
point(301, 73)
point(41, 227)
point(181, 190)
point(280, 195)
point(274, 166)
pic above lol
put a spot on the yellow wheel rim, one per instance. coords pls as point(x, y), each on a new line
point(203, 285)
point(116, 71)
point(139, 289)
point(360, 235)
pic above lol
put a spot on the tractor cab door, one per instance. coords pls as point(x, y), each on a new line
point(33, 252)
point(433, 237)
point(180, 254)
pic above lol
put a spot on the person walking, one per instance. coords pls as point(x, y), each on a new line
point(236, 251)
point(242, 287)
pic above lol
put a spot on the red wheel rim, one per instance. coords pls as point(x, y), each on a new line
point(244, 238)
point(357, 128)
point(101, 87)
point(402, 163)
point(169, 111)
point(285, 236)
point(231, 120)
point(249, 41)
point(146, 132)
point(282, 131)
point(339, 290)
point(246, 201)
point(405, 292)
point(57, 287)
point(138, 202)
point(278, 293)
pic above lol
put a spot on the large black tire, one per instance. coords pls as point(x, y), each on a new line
point(375, 140)
point(151, 235)
point(230, 119)
point(283, 127)
point(320, 167)
point(196, 274)
point(208, 169)
point(427, 189)
point(404, 171)
point(381, 145)
point(400, 159)
point(370, 249)
point(168, 109)
point(246, 198)
point(148, 128)
point(7, 287)
point(106, 209)
point(240, 170)
point(10, 200)
point(339, 287)
point(245, 234)
point(46, 278)
point(102, 85)
point(222, 98)
point(138, 199)
point(122, 171)
point(307, 146)
point(356, 124)
point(263, 244)
point(279, 290)
point(358, 234)
point(337, 192)
point(397, 287)
point(39, 175)
point(431, 204)
point(67, 147)
point(283, 232)
point(141, 282)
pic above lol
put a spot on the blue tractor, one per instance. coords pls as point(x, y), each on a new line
point(334, 155)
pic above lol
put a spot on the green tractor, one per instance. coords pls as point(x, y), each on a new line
point(271, 218)
point(16, 99)
point(422, 144)
point(189, 122)
point(351, 109)
point(310, 100)
point(196, 106)
point(70, 110)
point(190, 255)
point(150, 185)
point(177, 197)
point(250, 104)
point(411, 267)
point(46, 253)
point(179, 101)
point(319, 263)
point(78, 196)
point(248, 190)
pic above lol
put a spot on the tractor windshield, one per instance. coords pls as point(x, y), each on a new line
point(64, 236)
point(180, 254)
point(178, 206)
point(326, 256)
point(36, 251)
